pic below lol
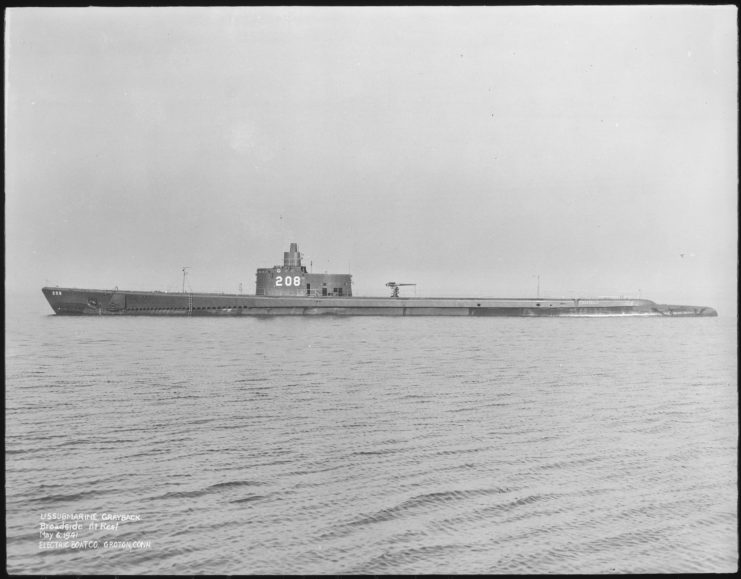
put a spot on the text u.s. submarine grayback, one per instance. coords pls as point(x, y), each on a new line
point(289, 289)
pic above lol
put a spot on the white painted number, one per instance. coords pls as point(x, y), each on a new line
point(296, 281)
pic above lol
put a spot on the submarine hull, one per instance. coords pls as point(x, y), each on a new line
point(76, 301)
point(290, 290)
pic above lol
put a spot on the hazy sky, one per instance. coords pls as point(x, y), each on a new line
point(468, 150)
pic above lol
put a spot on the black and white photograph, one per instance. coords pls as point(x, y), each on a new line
point(242, 248)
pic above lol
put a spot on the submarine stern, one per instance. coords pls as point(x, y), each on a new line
point(685, 311)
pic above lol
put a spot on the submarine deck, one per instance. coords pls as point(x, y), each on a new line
point(125, 302)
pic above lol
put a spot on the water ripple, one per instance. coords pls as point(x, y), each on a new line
point(356, 446)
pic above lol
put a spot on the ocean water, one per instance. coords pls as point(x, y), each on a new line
point(370, 445)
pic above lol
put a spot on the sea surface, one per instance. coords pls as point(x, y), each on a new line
point(337, 445)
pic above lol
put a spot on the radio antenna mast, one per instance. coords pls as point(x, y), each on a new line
point(185, 274)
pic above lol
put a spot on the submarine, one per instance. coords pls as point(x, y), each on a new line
point(290, 290)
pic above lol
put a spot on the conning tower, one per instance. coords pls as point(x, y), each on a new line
point(292, 279)
point(292, 258)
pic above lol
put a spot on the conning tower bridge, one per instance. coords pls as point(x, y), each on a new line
point(292, 279)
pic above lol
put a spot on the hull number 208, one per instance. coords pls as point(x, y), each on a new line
point(289, 281)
